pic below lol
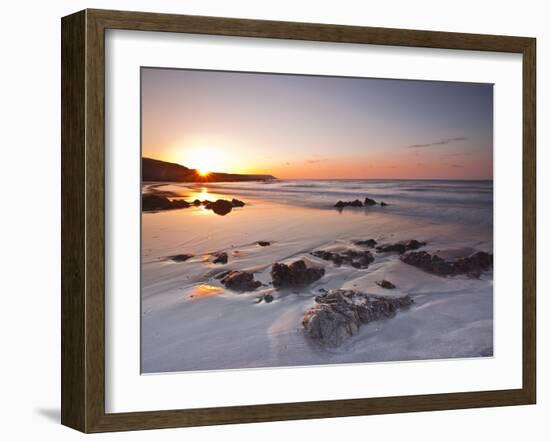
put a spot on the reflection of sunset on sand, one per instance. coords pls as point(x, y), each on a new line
point(204, 291)
point(202, 194)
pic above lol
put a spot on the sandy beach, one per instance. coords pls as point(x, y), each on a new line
point(191, 321)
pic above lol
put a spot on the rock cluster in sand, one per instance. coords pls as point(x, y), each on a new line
point(338, 314)
point(151, 202)
point(358, 203)
point(358, 259)
point(240, 281)
point(472, 265)
point(401, 247)
point(366, 242)
point(296, 274)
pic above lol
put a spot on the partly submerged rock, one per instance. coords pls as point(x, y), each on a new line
point(342, 204)
point(219, 207)
point(383, 204)
point(401, 246)
point(296, 274)
point(367, 242)
point(240, 281)
point(237, 203)
point(264, 243)
point(385, 284)
point(359, 259)
point(181, 258)
point(179, 204)
point(428, 263)
point(338, 314)
point(370, 202)
point(152, 202)
point(472, 265)
point(220, 258)
point(265, 298)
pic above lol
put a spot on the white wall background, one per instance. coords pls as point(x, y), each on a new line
point(30, 221)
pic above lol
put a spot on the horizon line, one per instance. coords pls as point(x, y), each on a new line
point(328, 179)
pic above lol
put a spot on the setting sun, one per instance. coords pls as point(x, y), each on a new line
point(204, 160)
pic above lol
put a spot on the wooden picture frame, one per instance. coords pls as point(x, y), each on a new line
point(83, 220)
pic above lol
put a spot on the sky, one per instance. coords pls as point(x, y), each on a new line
point(317, 127)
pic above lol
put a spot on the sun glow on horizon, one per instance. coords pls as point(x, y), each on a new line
point(204, 159)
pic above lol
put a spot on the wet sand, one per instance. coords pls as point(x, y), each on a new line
point(190, 321)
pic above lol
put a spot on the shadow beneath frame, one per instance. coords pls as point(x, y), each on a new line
point(51, 414)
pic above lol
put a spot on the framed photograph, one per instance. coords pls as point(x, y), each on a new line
point(269, 220)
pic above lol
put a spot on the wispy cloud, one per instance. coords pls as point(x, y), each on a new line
point(457, 166)
point(454, 155)
point(320, 160)
point(442, 142)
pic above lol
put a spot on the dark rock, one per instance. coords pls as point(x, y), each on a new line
point(366, 242)
point(220, 207)
point(358, 259)
point(323, 254)
point(151, 201)
point(237, 203)
point(296, 274)
point(240, 281)
point(401, 247)
point(472, 265)
point(197, 203)
point(181, 258)
point(264, 243)
point(338, 314)
point(154, 202)
point(223, 274)
point(268, 298)
point(370, 202)
point(382, 203)
point(428, 263)
point(342, 204)
point(220, 258)
point(362, 262)
point(179, 204)
point(385, 284)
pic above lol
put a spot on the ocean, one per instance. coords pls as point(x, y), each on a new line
point(445, 200)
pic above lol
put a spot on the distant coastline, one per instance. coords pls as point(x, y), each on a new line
point(157, 170)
